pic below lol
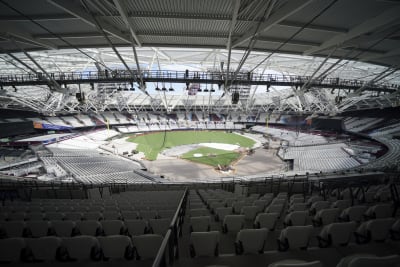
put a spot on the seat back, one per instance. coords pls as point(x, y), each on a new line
point(234, 223)
point(296, 263)
point(200, 224)
point(266, 220)
point(296, 218)
point(13, 228)
point(159, 226)
point(199, 212)
point(297, 236)
point(379, 228)
point(44, 248)
point(249, 212)
point(89, 227)
point(115, 246)
point(373, 261)
point(136, 227)
point(11, 248)
point(340, 233)
point(38, 228)
point(354, 213)
point(80, 247)
point(204, 243)
point(327, 216)
point(112, 227)
point(147, 246)
point(251, 241)
point(220, 213)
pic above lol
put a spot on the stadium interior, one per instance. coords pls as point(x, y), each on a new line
point(200, 133)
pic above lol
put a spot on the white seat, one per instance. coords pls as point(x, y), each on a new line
point(233, 223)
point(295, 237)
point(204, 243)
point(13, 228)
point(147, 246)
point(115, 246)
point(274, 209)
point(278, 201)
point(89, 227)
point(159, 226)
point(73, 216)
point(341, 204)
point(11, 248)
point(93, 215)
point(298, 207)
point(220, 213)
point(249, 212)
point(237, 206)
point(360, 260)
point(314, 199)
point(354, 213)
point(379, 211)
point(44, 248)
point(148, 214)
point(63, 228)
point(251, 241)
point(326, 216)
point(319, 205)
point(336, 234)
point(296, 263)
point(296, 218)
point(136, 227)
point(375, 230)
point(266, 220)
point(199, 212)
point(38, 228)
point(111, 215)
point(130, 215)
point(54, 216)
point(112, 227)
point(81, 247)
point(200, 224)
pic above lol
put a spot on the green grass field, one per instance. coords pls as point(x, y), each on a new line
point(153, 143)
point(222, 157)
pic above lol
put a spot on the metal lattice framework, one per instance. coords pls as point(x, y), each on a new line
point(353, 41)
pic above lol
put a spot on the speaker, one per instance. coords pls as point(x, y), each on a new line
point(235, 97)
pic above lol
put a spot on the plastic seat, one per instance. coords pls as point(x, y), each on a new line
point(63, 228)
point(146, 246)
point(136, 227)
point(89, 227)
point(266, 220)
point(111, 215)
point(319, 205)
point(379, 211)
point(325, 216)
point(260, 204)
point(74, 216)
point(341, 204)
point(112, 227)
point(130, 215)
point(220, 213)
point(148, 214)
point(35, 216)
point(249, 212)
point(159, 226)
point(233, 223)
point(116, 246)
point(54, 216)
point(251, 241)
point(13, 228)
point(200, 224)
point(93, 215)
point(294, 237)
point(237, 206)
point(274, 209)
point(296, 218)
point(354, 213)
point(336, 234)
point(17, 216)
point(38, 228)
point(199, 212)
point(204, 244)
point(375, 230)
point(164, 214)
point(45, 248)
point(82, 247)
point(11, 249)
point(298, 207)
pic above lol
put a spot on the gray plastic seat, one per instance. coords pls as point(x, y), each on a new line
point(251, 241)
point(11, 249)
point(200, 224)
point(147, 246)
point(112, 227)
point(136, 227)
point(115, 246)
point(45, 248)
point(204, 244)
point(81, 247)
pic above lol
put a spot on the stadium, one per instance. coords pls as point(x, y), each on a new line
point(200, 133)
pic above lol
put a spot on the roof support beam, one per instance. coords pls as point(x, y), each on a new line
point(77, 11)
point(122, 11)
point(287, 10)
point(9, 30)
point(372, 24)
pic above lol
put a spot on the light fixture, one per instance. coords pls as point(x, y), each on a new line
point(171, 89)
point(163, 88)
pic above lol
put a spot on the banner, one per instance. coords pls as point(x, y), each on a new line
point(39, 125)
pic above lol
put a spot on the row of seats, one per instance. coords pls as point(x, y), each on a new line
point(88, 227)
point(51, 248)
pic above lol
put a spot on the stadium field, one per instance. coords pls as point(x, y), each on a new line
point(211, 156)
point(153, 143)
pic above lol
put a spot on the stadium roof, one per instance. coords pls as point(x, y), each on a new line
point(335, 38)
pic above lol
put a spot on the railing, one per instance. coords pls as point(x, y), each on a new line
point(118, 76)
point(169, 249)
